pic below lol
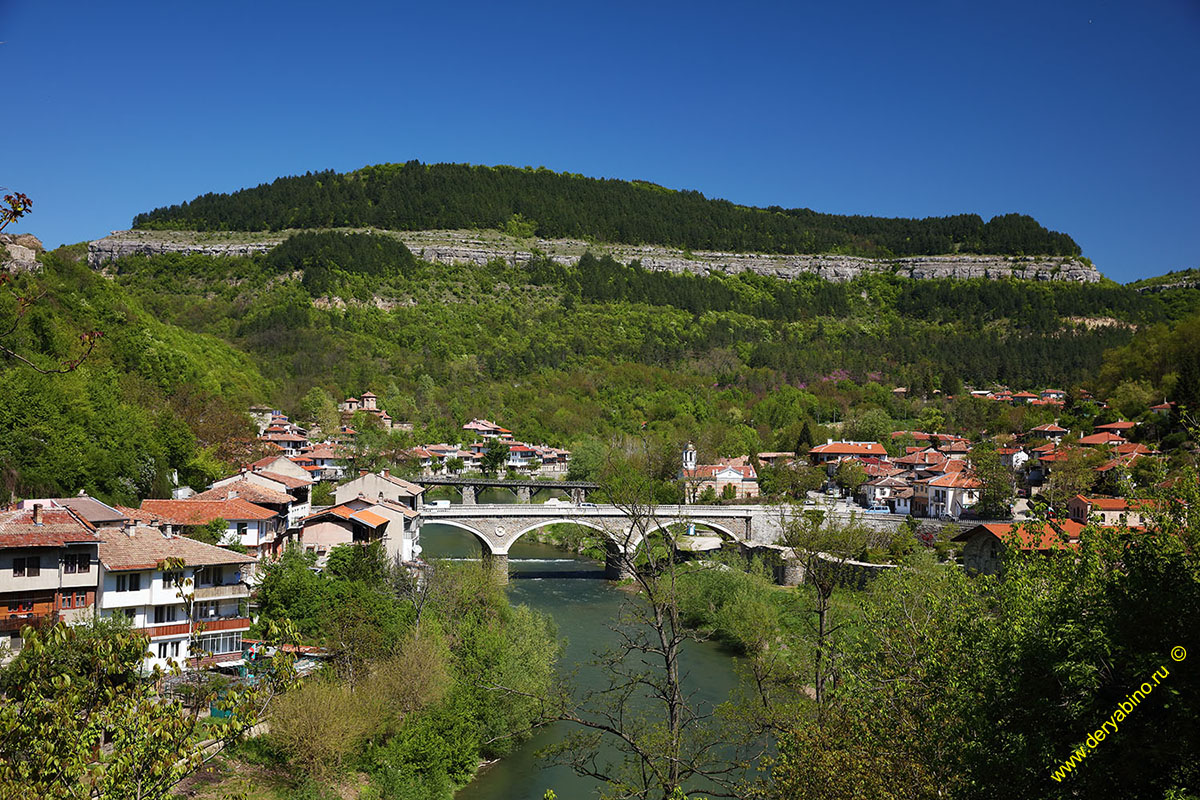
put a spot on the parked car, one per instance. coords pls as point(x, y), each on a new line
point(878, 510)
point(438, 504)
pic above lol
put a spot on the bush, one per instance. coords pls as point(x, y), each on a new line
point(320, 724)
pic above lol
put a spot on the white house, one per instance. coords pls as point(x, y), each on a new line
point(135, 583)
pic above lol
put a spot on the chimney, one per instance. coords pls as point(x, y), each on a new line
point(385, 473)
point(37, 513)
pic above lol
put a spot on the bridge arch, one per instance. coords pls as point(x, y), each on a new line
point(462, 526)
point(606, 533)
point(725, 532)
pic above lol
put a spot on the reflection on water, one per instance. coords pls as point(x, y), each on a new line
point(583, 605)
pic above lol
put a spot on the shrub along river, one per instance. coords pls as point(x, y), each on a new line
point(573, 591)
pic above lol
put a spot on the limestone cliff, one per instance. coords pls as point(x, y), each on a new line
point(479, 247)
point(19, 251)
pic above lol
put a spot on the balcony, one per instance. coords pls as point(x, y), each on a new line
point(15, 622)
point(209, 625)
point(222, 592)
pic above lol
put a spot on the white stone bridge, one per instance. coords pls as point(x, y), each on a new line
point(498, 526)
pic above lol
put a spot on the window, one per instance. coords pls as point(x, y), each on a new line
point(76, 562)
point(65, 600)
point(80, 599)
point(205, 610)
point(164, 614)
point(129, 582)
point(162, 649)
point(242, 530)
point(175, 649)
point(27, 567)
point(218, 643)
point(20, 606)
point(130, 613)
point(170, 578)
point(209, 576)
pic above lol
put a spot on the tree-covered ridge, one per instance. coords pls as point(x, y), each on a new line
point(416, 196)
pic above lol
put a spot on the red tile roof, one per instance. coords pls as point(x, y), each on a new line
point(286, 480)
point(59, 527)
point(1106, 437)
point(199, 512)
point(957, 480)
point(146, 548)
point(247, 491)
point(1050, 535)
point(1119, 425)
point(850, 449)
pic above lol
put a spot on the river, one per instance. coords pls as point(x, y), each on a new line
point(573, 591)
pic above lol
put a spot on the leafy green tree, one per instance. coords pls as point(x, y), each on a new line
point(494, 458)
point(79, 720)
point(319, 408)
point(999, 487)
point(850, 475)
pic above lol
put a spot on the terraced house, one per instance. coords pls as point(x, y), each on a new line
point(48, 569)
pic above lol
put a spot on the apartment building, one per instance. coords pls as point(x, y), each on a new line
point(136, 582)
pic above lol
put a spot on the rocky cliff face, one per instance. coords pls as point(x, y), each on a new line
point(18, 252)
point(481, 247)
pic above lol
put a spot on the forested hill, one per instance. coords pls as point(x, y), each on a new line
point(416, 196)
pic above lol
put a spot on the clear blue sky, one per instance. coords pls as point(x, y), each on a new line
point(1082, 114)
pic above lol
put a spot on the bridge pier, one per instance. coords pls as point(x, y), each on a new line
point(618, 566)
point(524, 494)
point(792, 573)
point(468, 495)
point(496, 564)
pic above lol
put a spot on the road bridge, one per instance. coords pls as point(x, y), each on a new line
point(525, 491)
point(498, 526)
point(752, 527)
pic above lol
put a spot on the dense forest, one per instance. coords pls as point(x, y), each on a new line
point(416, 196)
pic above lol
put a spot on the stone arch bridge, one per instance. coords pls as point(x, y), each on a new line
point(498, 526)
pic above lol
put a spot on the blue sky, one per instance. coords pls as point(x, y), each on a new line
point(1082, 114)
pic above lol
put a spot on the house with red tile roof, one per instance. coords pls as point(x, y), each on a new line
point(1120, 426)
point(985, 544)
point(137, 583)
point(1024, 397)
point(48, 568)
point(360, 521)
point(953, 493)
point(834, 452)
point(1110, 511)
point(253, 526)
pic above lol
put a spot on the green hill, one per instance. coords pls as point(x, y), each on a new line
point(415, 196)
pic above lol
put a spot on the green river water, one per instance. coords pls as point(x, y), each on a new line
point(573, 591)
